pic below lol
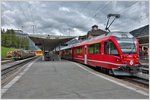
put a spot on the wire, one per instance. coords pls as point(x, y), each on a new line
point(33, 21)
point(30, 13)
point(122, 12)
point(19, 5)
point(101, 9)
point(87, 4)
point(98, 9)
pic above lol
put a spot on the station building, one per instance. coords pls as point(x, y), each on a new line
point(142, 34)
point(94, 32)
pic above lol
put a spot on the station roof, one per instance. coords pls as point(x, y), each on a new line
point(140, 32)
point(49, 42)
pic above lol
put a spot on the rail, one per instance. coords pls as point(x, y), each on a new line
point(11, 64)
point(143, 72)
point(9, 70)
point(140, 79)
point(137, 81)
point(6, 61)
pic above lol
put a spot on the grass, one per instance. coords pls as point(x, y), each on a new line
point(4, 51)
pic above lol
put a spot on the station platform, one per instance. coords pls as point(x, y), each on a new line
point(65, 79)
point(145, 62)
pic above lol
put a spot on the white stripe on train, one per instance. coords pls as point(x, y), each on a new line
point(105, 62)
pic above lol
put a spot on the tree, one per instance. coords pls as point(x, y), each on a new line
point(26, 44)
point(10, 39)
point(17, 42)
point(13, 38)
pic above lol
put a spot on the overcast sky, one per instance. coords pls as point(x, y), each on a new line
point(74, 18)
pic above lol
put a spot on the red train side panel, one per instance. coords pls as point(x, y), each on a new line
point(109, 52)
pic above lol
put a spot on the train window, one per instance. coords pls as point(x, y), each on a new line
point(68, 51)
point(91, 49)
point(94, 48)
point(79, 50)
point(110, 48)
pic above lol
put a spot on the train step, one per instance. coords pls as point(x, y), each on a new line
point(117, 72)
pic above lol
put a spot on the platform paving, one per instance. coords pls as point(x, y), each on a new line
point(64, 79)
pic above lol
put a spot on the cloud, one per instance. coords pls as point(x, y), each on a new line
point(72, 17)
point(64, 9)
point(78, 32)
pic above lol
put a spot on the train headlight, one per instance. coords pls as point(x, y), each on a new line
point(118, 60)
point(136, 57)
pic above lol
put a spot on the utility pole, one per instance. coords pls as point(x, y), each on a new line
point(69, 31)
point(33, 28)
point(20, 38)
point(22, 28)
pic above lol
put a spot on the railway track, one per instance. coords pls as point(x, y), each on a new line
point(9, 72)
point(137, 81)
point(6, 61)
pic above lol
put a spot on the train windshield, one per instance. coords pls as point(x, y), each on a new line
point(128, 46)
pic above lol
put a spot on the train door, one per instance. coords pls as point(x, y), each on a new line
point(110, 54)
point(85, 54)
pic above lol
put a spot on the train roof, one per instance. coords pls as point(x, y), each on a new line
point(116, 34)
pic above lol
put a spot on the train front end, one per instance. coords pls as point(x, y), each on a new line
point(129, 55)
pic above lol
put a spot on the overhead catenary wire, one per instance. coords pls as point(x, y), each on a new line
point(29, 14)
point(123, 11)
point(23, 12)
point(33, 21)
point(87, 4)
point(97, 10)
point(19, 5)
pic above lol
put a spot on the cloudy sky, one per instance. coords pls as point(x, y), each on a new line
point(72, 17)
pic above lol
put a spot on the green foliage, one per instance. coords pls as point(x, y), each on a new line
point(11, 40)
point(4, 51)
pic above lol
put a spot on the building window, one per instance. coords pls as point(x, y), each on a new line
point(79, 50)
point(110, 48)
point(94, 48)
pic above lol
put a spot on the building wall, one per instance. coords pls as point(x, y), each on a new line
point(142, 34)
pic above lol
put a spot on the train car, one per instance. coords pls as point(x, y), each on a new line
point(66, 54)
point(9, 54)
point(39, 53)
point(22, 54)
point(117, 52)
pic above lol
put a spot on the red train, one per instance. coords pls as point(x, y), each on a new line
point(118, 52)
